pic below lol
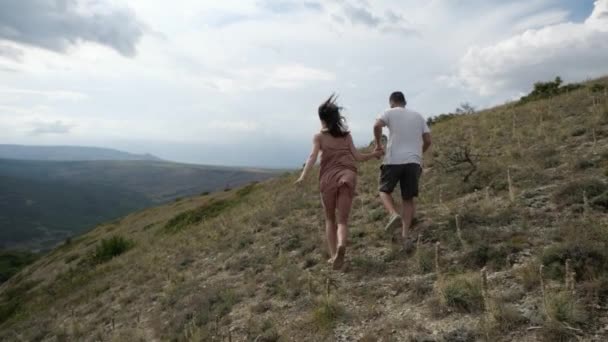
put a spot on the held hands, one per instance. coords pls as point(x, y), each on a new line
point(378, 151)
point(378, 154)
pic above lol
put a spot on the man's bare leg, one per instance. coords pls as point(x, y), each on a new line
point(389, 203)
point(409, 210)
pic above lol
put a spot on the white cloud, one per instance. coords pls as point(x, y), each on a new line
point(277, 77)
point(234, 126)
point(50, 127)
point(252, 72)
point(53, 95)
point(573, 50)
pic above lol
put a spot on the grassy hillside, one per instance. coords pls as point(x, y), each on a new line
point(513, 246)
point(42, 202)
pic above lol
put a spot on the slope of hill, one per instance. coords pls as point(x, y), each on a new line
point(66, 153)
point(513, 246)
point(43, 202)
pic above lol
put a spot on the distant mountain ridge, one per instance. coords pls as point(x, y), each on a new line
point(68, 153)
point(42, 202)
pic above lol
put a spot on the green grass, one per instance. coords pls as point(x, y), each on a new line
point(575, 191)
point(110, 248)
point(195, 216)
point(12, 300)
point(564, 308)
point(12, 262)
point(589, 259)
point(208, 211)
point(327, 312)
point(463, 293)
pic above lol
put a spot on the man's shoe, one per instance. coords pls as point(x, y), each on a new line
point(408, 245)
point(394, 222)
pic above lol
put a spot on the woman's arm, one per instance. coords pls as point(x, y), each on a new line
point(312, 159)
point(362, 157)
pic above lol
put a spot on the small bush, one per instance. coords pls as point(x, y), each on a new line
point(579, 132)
point(545, 90)
point(107, 249)
point(326, 313)
point(600, 202)
point(507, 317)
point(244, 191)
point(463, 293)
point(376, 215)
point(482, 255)
point(13, 299)
point(589, 260)
point(291, 242)
point(529, 275)
point(424, 260)
point(598, 88)
point(420, 288)
point(585, 164)
point(563, 307)
point(574, 191)
point(12, 262)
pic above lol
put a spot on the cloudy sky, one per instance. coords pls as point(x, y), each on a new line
point(237, 82)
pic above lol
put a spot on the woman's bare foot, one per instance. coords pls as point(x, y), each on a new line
point(338, 261)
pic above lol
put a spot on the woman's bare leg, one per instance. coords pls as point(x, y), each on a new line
point(345, 202)
point(331, 229)
point(332, 237)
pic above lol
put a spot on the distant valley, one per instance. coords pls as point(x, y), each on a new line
point(43, 202)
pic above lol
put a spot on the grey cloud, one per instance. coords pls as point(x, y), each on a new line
point(361, 14)
point(312, 5)
point(58, 24)
point(11, 53)
point(44, 128)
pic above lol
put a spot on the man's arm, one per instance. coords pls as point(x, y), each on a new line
point(378, 133)
point(426, 139)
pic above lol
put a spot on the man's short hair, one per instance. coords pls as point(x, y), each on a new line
point(398, 98)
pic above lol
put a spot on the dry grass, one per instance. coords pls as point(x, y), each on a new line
point(249, 263)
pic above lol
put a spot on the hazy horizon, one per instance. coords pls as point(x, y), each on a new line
point(237, 83)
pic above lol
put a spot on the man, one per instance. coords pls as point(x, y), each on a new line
point(409, 138)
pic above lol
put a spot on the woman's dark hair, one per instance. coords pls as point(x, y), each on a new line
point(329, 112)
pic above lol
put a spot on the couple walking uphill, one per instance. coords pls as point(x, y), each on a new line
point(409, 138)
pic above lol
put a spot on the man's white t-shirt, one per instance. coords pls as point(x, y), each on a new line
point(405, 142)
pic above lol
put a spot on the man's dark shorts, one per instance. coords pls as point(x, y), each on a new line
point(407, 175)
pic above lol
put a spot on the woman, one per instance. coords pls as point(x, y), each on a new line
point(337, 177)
